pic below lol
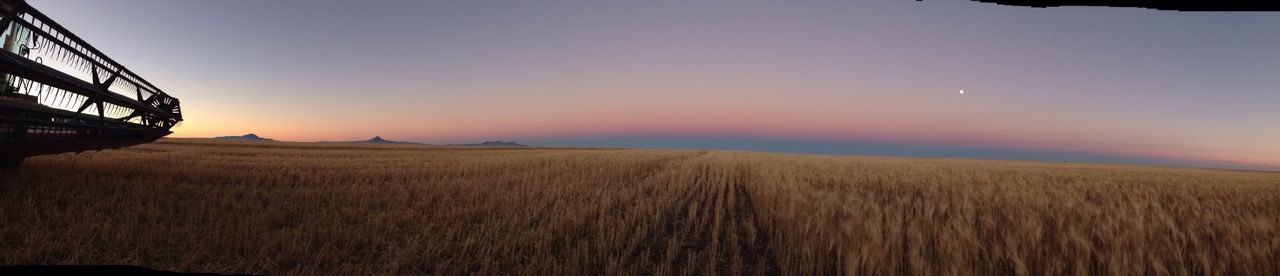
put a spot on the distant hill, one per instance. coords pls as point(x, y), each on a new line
point(379, 140)
point(247, 137)
point(375, 140)
point(496, 144)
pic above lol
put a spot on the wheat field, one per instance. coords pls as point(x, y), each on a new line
point(343, 209)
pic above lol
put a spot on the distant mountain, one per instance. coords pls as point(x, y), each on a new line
point(248, 137)
point(496, 144)
point(379, 140)
point(374, 140)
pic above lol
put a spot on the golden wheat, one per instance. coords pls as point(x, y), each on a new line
point(305, 208)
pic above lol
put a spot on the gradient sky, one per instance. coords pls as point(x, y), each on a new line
point(840, 77)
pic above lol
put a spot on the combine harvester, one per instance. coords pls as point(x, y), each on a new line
point(59, 94)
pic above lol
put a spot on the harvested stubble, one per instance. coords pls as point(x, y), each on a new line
point(303, 208)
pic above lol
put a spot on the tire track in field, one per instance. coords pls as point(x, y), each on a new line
point(757, 246)
point(713, 230)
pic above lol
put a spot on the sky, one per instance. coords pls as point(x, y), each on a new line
point(876, 77)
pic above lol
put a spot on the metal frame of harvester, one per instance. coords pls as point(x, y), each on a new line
point(59, 94)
